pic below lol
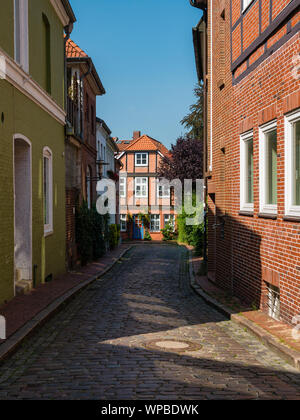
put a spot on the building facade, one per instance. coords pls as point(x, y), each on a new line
point(247, 55)
point(83, 86)
point(139, 191)
point(32, 133)
point(108, 166)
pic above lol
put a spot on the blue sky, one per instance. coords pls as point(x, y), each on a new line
point(143, 52)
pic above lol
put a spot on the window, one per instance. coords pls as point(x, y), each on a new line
point(141, 159)
point(246, 187)
point(163, 191)
point(274, 301)
point(155, 223)
point(21, 33)
point(48, 191)
point(169, 220)
point(292, 164)
point(89, 187)
point(122, 187)
point(268, 168)
point(47, 54)
point(246, 3)
point(123, 222)
point(141, 187)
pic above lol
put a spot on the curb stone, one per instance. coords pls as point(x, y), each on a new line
point(289, 355)
point(14, 342)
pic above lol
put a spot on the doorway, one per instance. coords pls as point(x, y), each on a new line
point(22, 209)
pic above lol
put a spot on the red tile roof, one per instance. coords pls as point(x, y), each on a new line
point(73, 51)
point(143, 143)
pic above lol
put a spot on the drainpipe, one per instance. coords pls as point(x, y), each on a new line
point(81, 80)
point(68, 30)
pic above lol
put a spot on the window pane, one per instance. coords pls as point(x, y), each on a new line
point(17, 32)
point(249, 173)
point(46, 191)
point(296, 198)
point(271, 168)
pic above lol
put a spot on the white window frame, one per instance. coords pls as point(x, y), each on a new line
point(156, 218)
point(47, 154)
point(163, 195)
point(290, 209)
point(246, 4)
point(263, 206)
point(141, 158)
point(169, 217)
point(123, 180)
point(140, 181)
point(244, 206)
point(23, 42)
point(123, 219)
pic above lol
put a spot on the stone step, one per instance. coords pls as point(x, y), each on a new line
point(23, 287)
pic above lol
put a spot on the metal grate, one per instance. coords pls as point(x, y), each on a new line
point(274, 301)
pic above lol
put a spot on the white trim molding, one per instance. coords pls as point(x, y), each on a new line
point(25, 84)
point(265, 207)
point(47, 154)
point(61, 12)
point(244, 205)
point(291, 210)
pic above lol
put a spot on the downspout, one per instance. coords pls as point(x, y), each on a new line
point(211, 86)
point(81, 80)
point(68, 30)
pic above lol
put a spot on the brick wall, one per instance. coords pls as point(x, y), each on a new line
point(247, 251)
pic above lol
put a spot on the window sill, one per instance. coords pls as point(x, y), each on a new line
point(291, 219)
point(246, 213)
point(48, 233)
point(268, 216)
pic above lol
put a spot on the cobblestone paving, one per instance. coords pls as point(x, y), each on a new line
point(97, 347)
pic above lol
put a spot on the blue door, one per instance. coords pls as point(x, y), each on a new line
point(138, 228)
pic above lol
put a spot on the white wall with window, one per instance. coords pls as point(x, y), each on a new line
point(292, 164)
point(141, 159)
point(123, 222)
point(21, 33)
point(141, 187)
point(155, 223)
point(48, 190)
point(246, 172)
point(268, 168)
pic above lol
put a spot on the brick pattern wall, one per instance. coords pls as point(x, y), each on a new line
point(245, 253)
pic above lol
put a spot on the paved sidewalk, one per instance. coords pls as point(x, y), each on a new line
point(277, 335)
point(22, 309)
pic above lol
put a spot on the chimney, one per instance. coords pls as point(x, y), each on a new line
point(136, 135)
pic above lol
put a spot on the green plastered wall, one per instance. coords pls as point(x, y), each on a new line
point(25, 117)
point(22, 116)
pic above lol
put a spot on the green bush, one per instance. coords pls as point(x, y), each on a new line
point(168, 233)
point(191, 235)
point(91, 233)
point(114, 236)
point(147, 237)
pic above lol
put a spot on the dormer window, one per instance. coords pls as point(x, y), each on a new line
point(141, 159)
point(21, 33)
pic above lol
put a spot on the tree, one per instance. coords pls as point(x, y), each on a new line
point(194, 120)
point(185, 160)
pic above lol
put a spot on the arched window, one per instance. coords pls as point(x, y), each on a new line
point(47, 53)
point(48, 190)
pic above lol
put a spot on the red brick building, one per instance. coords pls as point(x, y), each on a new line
point(247, 54)
point(139, 192)
point(84, 85)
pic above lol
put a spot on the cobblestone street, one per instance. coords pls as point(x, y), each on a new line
point(101, 345)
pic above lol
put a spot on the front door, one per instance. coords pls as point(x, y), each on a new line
point(138, 228)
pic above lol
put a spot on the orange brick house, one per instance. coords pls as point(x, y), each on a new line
point(247, 55)
point(140, 193)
